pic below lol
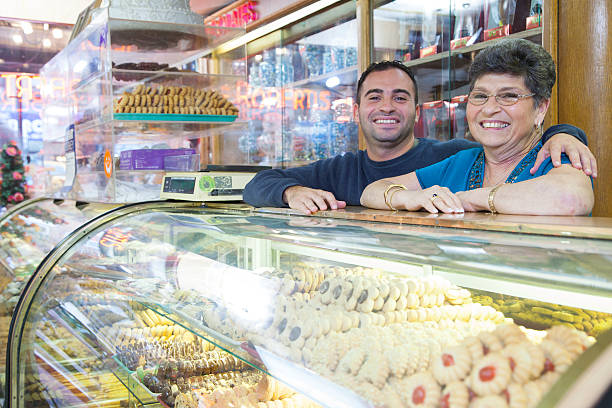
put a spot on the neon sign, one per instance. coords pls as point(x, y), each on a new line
point(237, 17)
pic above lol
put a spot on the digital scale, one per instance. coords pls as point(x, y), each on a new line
point(215, 183)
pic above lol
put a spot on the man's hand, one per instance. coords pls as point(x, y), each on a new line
point(579, 154)
point(310, 200)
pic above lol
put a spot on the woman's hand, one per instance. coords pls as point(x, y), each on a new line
point(433, 199)
point(474, 200)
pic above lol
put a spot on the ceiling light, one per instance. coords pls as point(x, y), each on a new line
point(27, 27)
point(17, 39)
point(46, 42)
point(332, 82)
point(57, 33)
point(80, 66)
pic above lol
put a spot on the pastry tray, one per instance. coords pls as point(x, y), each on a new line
point(141, 391)
point(174, 117)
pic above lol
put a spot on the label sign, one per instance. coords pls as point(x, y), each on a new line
point(239, 16)
point(108, 163)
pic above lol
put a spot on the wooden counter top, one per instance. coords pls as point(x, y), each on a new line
point(588, 227)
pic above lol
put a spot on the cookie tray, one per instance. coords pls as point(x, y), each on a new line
point(173, 117)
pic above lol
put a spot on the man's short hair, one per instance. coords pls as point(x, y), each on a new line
point(384, 66)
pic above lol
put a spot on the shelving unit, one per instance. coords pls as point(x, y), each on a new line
point(103, 128)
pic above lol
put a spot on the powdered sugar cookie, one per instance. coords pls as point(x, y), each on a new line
point(556, 357)
point(509, 333)
point(421, 391)
point(490, 342)
point(520, 362)
point(455, 395)
point(490, 375)
point(537, 359)
point(474, 347)
point(352, 361)
point(490, 401)
point(375, 371)
point(452, 364)
point(570, 339)
point(534, 393)
point(515, 396)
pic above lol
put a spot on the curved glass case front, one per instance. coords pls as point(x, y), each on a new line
point(28, 233)
point(186, 306)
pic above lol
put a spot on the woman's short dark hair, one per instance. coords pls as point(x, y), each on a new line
point(384, 66)
point(517, 57)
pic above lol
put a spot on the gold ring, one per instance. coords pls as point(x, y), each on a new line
point(433, 197)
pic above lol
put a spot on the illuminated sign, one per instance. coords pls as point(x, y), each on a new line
point(113, 241)
point(20, 101)
point(280, 98)
point(239, 16)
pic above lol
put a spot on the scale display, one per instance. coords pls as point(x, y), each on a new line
point(205, 186)
point(179, 185)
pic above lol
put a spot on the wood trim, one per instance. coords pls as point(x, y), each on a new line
point(550, 40)
point(585, 91)
point(365, 43)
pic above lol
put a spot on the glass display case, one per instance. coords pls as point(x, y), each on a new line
point(181, 305)
point(300, 90)
point(127, 93)
point(438, 40)
point(28, 232)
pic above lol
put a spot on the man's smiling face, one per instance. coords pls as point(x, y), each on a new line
point(387, 109)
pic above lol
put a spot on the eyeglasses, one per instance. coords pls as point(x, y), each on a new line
point(505, 99)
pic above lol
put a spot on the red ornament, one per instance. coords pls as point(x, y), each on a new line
point(11, 151)
point(18, 197)
point(17, 175)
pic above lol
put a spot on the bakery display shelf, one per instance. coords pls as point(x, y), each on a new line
point(202, 36)
point(173, 117)
point(470, 48)
point(62, 359)
point(334, 255)
point(55, 370)
point(149, 77)
point(138, 389)
point(90, 79)
point(293, 375)
point(79, 326)
point(132, 131)
point(523, 283)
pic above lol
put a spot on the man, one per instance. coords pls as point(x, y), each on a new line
point(387, 110)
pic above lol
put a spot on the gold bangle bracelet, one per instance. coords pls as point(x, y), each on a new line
point(390, 191)
point(492, 208)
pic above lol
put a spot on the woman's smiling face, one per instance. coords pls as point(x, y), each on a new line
point(495, 125)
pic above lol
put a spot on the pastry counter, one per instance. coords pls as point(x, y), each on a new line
point(180, 305)
point(28, 232)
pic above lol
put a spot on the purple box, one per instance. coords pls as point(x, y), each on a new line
point(148, 159)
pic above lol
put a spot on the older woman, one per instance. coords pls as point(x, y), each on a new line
point(510, 88)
